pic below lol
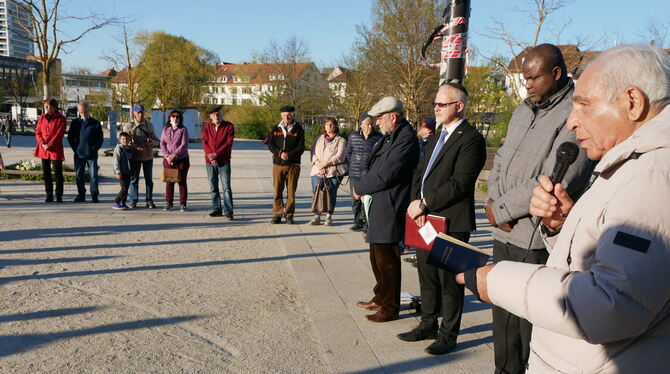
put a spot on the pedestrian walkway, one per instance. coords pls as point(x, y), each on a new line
point(84, 288)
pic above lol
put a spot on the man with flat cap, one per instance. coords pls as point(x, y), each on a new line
point(359, 145)
point(217, 142)
point(143, 142)
point(287, 143)
point(536, 129)
point(385, 190)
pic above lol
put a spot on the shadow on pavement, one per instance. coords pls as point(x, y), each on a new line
point(81, 273)
point(11, 344)
point(22, 262)
point(47, 314)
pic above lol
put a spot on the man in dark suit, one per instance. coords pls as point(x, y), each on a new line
point(443, 185)
point(386, 189)
point(85, 137)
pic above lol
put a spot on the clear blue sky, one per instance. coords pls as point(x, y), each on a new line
point(233, 29)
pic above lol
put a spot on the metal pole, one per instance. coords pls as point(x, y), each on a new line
point(455, 42)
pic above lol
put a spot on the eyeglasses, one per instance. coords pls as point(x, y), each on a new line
point(444, 105)
point(175, 116)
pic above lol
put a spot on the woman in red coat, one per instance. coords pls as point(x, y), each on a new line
point(49, 133)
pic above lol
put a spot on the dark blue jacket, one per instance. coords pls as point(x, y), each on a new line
point(358, 152)
point(389, 181)
point(85, 137)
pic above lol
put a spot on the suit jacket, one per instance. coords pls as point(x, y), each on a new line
point(449, 187)
point(388, 181)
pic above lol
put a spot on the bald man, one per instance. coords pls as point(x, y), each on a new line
point(535, 131)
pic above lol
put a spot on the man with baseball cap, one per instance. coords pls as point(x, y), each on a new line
point(143, 141)
point(287, 143)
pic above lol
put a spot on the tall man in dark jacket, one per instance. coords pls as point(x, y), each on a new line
point(444, 185)
point(386, 189)
point(287, 143)
point(85, 137)
point(536, 129)
point(359, 145)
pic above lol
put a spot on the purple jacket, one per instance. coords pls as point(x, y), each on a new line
point(174, 142)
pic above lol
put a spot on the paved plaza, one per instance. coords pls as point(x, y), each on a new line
point(86, 289)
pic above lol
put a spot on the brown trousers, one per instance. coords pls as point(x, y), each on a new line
point(284, 175)
point(385, 261)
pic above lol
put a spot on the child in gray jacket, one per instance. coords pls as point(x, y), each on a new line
point(122, 169)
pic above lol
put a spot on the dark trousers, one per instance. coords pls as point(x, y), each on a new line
point(147, 168)
point(124, 181)
point(440, 294)
point(48, 180)
point(80, 169)
point(356, 205)
point(284, 175)
point(511, 334)
point(183, 165)
point(385, 261)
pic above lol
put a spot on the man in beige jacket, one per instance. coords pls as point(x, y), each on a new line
point(602, 302)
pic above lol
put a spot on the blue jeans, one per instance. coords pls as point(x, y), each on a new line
point(80, 169)
point(214, 174)
point(147, 166)
point(334, 184)
point(8, 139)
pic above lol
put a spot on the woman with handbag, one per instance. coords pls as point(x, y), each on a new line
point(49, 133)
point(174, 146)
point(327, 167)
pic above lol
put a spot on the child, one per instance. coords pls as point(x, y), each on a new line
point(122, 156)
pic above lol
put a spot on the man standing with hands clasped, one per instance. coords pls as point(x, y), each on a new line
point(287, 143)
point(217, 142)
point(536, 130)
point(144, 140)
point(602, 302)
point(85, 137)
point(444, 185)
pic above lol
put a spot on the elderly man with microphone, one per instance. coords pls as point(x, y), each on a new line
point(602, 302)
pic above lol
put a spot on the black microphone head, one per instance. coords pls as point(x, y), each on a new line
point(567, 153)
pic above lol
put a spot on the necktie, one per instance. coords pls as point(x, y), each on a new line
point(433, 156)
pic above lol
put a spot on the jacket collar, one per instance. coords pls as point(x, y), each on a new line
point(551, 102)
point(651, 136)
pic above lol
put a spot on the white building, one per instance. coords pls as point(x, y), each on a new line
point(236, 84)
point(337, 78)
point(14, 41)
point(93, 88)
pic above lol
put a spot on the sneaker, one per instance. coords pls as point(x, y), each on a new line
point(116, 206)
point(329, 221)
point(315, 221)
point(229, 217)
point(289, 220)
point(79, 199)
point(215, 213)
point(356, 227)
point(133, 204)
point(125, 207)
point(182, 208)
point(442, 345)
point(275, 220)
point(417, 334)
point(168, 206)
point(151, 205)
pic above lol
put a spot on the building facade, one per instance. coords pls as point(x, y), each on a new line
point(93, 88)
point(14, 41)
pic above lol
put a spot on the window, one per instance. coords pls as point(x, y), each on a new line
point(246, 90)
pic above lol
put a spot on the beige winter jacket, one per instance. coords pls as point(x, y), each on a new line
point(602, 302)
point(331, 152)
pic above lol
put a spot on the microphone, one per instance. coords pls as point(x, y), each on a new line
point(566, 155)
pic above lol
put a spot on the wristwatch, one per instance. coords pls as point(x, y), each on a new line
point(423, 206)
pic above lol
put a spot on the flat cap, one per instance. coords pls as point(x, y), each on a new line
point(214, 109)
point(287, 108)
point(386, 105)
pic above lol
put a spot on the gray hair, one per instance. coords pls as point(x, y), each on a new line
point(643, 66)
point(84, 103)
point(459, 93)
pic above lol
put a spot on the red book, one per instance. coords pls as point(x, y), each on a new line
point(413, 237)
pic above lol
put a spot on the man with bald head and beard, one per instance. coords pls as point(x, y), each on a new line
point(535, 131)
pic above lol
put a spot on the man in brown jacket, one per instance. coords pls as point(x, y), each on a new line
point(144, 141)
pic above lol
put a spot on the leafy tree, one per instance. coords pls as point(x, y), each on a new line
point(387, 54)
point(127, 58)
point(173, 70)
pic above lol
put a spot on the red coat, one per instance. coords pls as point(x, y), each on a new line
point(219, 141)
point(50, 132)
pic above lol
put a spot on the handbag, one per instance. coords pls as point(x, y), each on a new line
point(169, 175)
point(322, 199)
point(342, 169)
